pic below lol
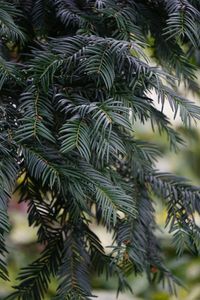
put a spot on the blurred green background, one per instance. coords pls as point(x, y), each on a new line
point(23, 249)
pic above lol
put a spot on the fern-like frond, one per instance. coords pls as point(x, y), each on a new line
point(109, 198)
point(8, 72)
point(33, 128)
point(8, 175)
point(188, 110)
point(182, 21)
point(100, 64)
point(181, 198)
point(9, 29)
point(35, 278)
point(4, 229)
point(74, 271)
point(44, 65)
point(75, 134)
point(36, 104)
point(37, 166)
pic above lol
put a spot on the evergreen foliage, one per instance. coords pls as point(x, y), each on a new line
point(75, 77)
